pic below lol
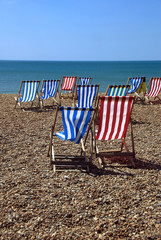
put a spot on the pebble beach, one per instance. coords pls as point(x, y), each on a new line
point(117, 202)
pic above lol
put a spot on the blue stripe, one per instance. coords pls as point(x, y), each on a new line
point(86, 96)
point(29, 90)
point(50, 87)
point(135, 84)
point(112, 90)
point(74, 123)
point(85, 81)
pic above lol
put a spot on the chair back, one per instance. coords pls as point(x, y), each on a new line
point(29, 90)
point(135, 84)
point(155, 87)
point(85, 80)
point(86, 95)
point(75, 122)
point(117, 90)
point(68, 83)
point(49, 88)
point(114, 117)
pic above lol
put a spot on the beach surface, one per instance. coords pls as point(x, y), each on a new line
point(118, 202)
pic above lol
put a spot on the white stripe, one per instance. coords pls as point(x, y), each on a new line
point(85, 97)
point(110, 120)
point(82, 125)
point(124, 119)
point(61, 135)
point(117, 120)
point(77, 118)
point(67, 124)
point(80, 95)
point(27, 92)
point(89, 100)
point(103, 119)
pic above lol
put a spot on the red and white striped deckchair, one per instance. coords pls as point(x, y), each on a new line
point(113, 124)
point(68, 86)
point(154, 87)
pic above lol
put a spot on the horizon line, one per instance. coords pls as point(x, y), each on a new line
point(78, 60)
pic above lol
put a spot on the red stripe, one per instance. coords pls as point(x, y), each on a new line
point(155, 87)
point(101, 117)
point(64, 83)
point(68, 83)
point(121, 116)
point(108, 110)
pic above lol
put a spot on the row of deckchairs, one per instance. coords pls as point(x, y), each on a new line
point(49, 89)
point(135, 86)
point(29, 89)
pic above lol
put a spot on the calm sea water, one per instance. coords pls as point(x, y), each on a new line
point(104, 73)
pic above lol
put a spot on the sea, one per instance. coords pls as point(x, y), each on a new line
point(102, 72)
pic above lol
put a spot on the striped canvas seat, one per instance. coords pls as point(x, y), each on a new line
point(68, 83)
point(117, 90)
point(113, 123)
point(28, 90)
point(67, 86)
point(84, 80)
point(135, 84)
point(76, 122)
point(49, 88)
point(154, 86)
point(87, 94)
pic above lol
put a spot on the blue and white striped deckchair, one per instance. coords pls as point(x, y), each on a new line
point(84, 80)
point(117, 90)
point(87, 94)
point(135, 84)
point(29, 90)
point(76, 122)
point(49, 89)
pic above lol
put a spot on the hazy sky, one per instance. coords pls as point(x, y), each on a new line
point(80, 29)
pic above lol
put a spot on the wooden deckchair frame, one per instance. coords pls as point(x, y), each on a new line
point(90, 80)
point(115, 152)
point(123, 86)
point(146, 96)
point(62, 92)
point(139, 90)
point(75, 98)
point(53, 98)
point(19, 94)
point(69, 161)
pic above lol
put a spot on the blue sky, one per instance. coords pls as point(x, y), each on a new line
point(80, 30)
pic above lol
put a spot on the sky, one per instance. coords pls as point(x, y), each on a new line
point(81, 30)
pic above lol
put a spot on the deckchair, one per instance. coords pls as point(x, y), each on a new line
point(49, 89)
point(87, 95)
point(137, 85)
point(76, 122)
point(27, 92)
point(117, 90)
point(153, 89)
point(67, 86)
point(84, 80)
point(113, 124)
